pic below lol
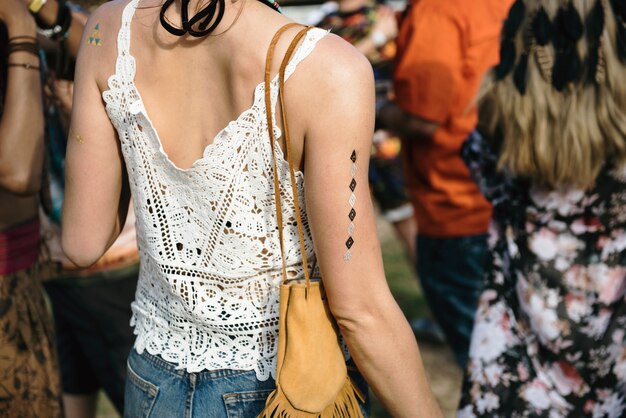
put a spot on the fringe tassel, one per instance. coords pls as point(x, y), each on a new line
point(601, 68)
point(346, 405)
point(545, 63)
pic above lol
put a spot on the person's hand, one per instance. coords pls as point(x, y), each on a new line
point(19, 21)
point(386, 22)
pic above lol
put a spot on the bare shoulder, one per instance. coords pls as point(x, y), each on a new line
point(338, 84)
point(98, 48)
point(337, 65)
point(109, 15)
point(334, 78)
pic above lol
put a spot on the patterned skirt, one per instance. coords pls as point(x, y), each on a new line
point(29, 373)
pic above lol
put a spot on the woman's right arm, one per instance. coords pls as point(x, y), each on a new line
point(336, 156)
point(96, 188)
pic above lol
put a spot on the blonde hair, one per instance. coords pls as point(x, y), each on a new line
point(559, 138)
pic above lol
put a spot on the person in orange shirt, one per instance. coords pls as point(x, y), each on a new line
point(444, 49)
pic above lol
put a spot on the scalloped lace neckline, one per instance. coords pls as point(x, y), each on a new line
point(257, 99)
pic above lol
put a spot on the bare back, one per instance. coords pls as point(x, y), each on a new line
point(222, 70)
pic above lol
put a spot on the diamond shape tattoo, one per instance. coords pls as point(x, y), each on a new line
point(352, 214)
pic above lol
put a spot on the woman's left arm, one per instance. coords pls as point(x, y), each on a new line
point(338, 115)
point(96, 188)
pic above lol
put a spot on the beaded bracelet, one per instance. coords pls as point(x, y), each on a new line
point(24, 65)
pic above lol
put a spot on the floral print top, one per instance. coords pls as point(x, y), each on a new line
point(549, 338)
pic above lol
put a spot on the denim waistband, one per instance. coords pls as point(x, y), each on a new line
point(168, 367)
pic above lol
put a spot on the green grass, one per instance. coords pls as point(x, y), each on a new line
point(403, 285)
point(105, 407)
point(402, 280)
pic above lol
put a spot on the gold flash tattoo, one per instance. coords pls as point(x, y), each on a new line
point(352, 214)
point(94, 36)
point(76, 136)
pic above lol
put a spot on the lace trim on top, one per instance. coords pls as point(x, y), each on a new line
point(207, 296)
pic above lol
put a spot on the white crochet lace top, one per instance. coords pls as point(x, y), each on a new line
point(207, 296)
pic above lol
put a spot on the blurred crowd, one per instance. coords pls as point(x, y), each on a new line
point(498, 158)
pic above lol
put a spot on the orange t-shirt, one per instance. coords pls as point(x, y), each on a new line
point(445, 47)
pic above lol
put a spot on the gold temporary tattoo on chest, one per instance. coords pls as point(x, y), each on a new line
point(94, 36)
point(76, 136)
point(352, 214)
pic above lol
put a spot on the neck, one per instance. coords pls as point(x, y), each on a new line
point(200, 24)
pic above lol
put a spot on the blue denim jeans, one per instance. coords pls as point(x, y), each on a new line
point(156, 389)
point(451, 272)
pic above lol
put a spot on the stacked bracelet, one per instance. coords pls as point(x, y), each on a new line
point(22, 38)
point(23, 44)
point(24, 65)
point(30, 47)
point(60, 27)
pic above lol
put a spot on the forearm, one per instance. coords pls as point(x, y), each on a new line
point(393, 118)
point(21, 127)
point(387, 355)
point(91, 223)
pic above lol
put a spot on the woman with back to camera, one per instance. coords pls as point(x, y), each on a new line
point(179, 120)
point(549, 339)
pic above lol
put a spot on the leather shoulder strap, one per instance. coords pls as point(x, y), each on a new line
point(270, 126)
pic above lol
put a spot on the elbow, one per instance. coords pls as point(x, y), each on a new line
point(358, 330)
point(21, 176)
point(355, 319)
point(20, 182)
point(78, 256)
point(348, 327)
point(363, 313)
point(84, 237)
point(81, 252)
